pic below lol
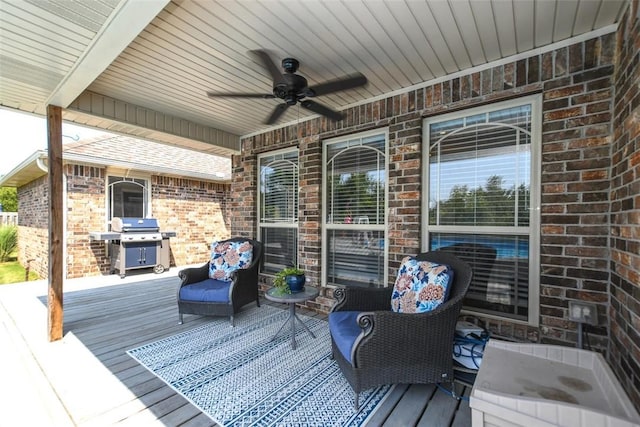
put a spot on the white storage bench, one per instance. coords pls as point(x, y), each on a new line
point(547, 385)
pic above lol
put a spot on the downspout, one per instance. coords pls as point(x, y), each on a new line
point(40, 162)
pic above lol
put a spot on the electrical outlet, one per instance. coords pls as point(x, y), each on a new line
point(583, 312)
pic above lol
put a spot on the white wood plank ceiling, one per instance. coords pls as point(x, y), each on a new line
point(162, 56)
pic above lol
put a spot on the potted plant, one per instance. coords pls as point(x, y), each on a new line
point(289, 280)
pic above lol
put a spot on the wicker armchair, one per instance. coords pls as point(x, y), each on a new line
point(199, 294)
point(400, 348)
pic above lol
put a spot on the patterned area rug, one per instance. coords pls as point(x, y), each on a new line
point(241, 377)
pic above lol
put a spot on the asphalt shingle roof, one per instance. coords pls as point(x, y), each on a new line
point(110, 150)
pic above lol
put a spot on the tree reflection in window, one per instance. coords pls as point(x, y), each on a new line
point(480, 173)
point(493, 204)
point(355, 202)
point(278, 209)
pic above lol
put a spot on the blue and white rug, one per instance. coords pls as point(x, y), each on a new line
point(239, 377)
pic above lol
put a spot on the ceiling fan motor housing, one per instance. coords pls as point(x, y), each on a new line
point(290, 88)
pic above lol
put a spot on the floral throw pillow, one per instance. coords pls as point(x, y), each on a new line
point(227, 257)
point(420, 286)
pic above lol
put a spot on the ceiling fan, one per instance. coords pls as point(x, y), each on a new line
point(293, 88)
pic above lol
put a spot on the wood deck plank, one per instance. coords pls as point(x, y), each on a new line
point(381, 415)
point(104, 318)
point(440, 411)
point(163, 409)
point(142, 387)
point(185, 414)
point(200, 420)
point(408, 411)
point(131, 409)
point(463, 414)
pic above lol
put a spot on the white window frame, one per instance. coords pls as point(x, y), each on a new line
point(123, 174)
point(532, 231)
point(294, 224)
point(326, 225)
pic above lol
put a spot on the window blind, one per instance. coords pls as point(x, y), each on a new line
point(479, 183)
point(278, 209)
point(279, 189)
point(355, 194)
point(479, 173)
point(356, 181)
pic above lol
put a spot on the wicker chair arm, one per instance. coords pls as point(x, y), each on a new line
point(362, 299)
point(194, 274)
point(417, 337)
point(244, 277)
point(244, 281)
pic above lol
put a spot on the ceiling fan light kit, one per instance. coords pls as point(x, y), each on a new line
point(293, 88)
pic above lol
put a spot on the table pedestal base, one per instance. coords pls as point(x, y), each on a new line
point(291, 320)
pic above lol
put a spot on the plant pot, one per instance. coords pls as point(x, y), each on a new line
point(295, 282)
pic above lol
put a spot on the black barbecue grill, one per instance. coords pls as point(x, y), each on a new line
point(136, 243)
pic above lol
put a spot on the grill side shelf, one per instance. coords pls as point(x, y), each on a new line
point(104, 235)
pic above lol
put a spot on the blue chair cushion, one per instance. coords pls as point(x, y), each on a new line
point(209, 290)
point(344, 329)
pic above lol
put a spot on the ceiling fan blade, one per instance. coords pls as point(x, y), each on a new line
point(321, 109)
point(343, 83)
point(269, 65)
point(240, 95)
point(276, 113)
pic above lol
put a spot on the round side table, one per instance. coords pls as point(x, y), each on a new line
point(307, 294)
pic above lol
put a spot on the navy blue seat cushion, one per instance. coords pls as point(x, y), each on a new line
point(344, 329)
point(209, 290)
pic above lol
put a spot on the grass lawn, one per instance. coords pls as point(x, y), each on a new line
point(13, 272)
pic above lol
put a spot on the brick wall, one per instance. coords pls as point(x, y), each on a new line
point(243, 205)
point(33, 228)
point(310, 194)
point(577, 112)
point(576, 86)
point(85, 212)
point(196, 210)
point(624, 312)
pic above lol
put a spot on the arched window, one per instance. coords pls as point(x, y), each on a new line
point(127, 197)
point(355, 200)
point(278, 209)
point(482, 201)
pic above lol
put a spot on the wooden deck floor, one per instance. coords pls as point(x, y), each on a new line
point(87, 379)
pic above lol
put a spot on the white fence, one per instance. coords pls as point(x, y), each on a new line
point(8, 218)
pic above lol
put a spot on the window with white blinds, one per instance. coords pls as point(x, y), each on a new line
point(355, 183)
point(278, 209)
point(481, 190)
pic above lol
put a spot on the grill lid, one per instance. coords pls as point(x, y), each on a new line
point(135, 225)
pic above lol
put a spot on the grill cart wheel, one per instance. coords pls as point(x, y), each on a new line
point(159, 268)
